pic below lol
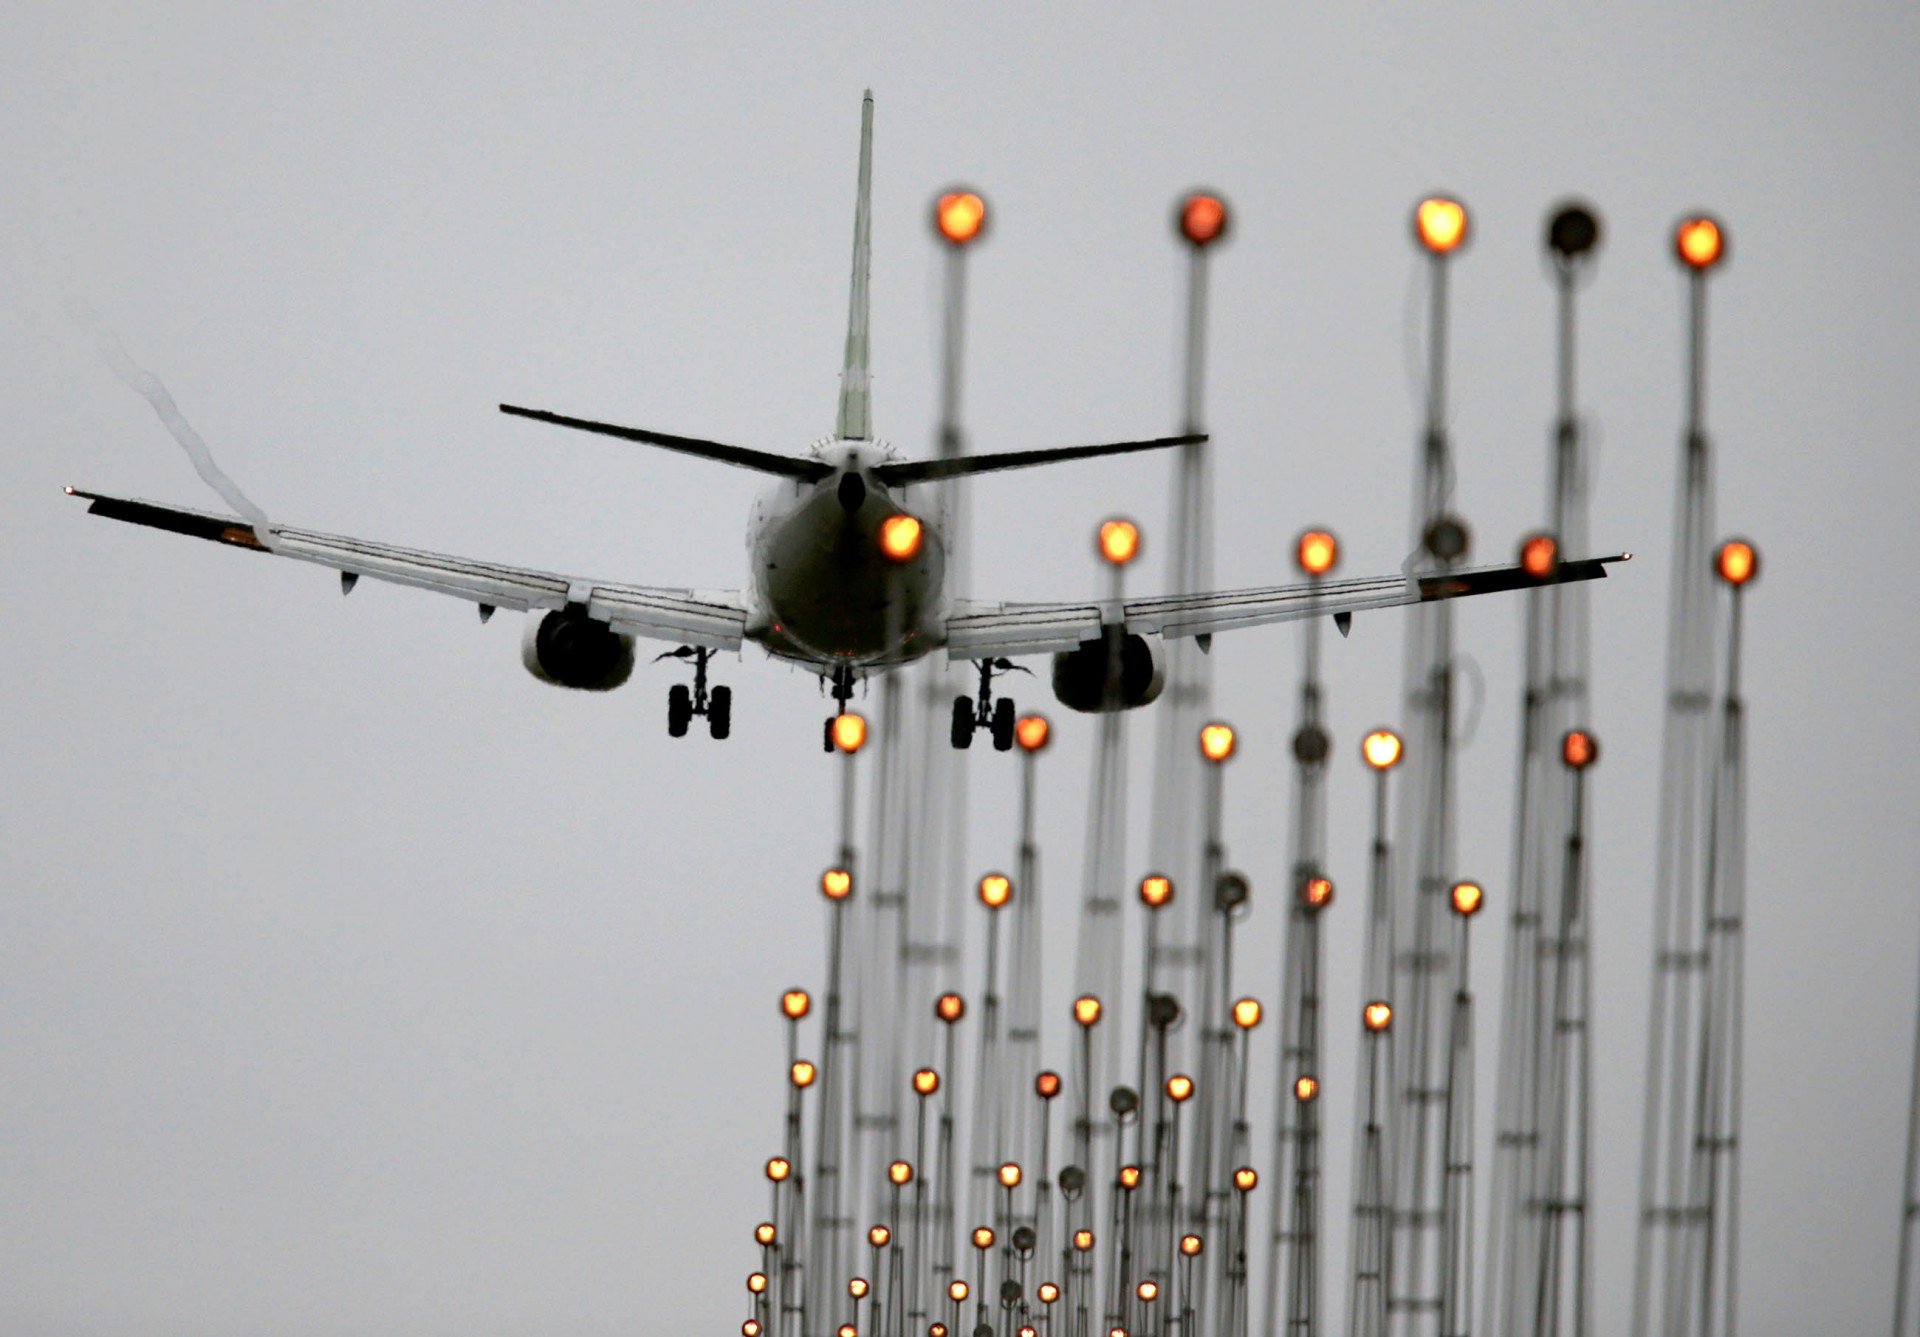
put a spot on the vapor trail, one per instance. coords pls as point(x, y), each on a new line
point(149, 387)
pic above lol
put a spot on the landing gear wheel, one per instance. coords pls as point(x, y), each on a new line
point(679, 710)
point(1003, 725)
point(826, 735)
point(720, 712)
point(963, 721)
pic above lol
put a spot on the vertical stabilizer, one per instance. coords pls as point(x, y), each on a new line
point(855, 420)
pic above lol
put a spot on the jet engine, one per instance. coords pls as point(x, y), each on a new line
point(568, 648)
point(1080, 675)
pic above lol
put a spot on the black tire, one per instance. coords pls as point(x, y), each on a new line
point(963, 721)
point(679, 710)
point(1003, 725)
point(720, 712)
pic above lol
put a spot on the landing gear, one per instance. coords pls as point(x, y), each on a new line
point(983, 712)
point(842, 694)
point(683, 703)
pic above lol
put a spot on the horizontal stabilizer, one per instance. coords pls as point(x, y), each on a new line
point(765, 461)
point(904, 472)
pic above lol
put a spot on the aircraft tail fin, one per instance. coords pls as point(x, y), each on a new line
point(855, 419)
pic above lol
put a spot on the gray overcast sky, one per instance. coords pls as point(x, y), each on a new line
point(351, 981)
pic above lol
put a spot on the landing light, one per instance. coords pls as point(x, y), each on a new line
point(1737, 562)
point(1539, 555)
point(1031, 731)
point(849, 732)
point(1203, 219)
point(1440, 224)
point(1381, 748)
point(1468, 897)
point(1119, 541)
point(1317, 552)
point(1699, 242)
point(900, 537)
point(960, 216)
point(1579, 749)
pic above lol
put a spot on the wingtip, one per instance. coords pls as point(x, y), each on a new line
point(70, 490)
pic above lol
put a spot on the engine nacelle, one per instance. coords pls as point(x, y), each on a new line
point(569, 649)
point(1080, 675)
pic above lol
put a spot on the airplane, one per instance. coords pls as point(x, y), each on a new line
point(846, 572)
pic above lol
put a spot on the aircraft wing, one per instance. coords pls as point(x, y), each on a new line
point(984, 631)
point(713, 619)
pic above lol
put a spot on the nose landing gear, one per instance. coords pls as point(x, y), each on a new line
point(842, 693)
point(983, 712)
point(684, 703)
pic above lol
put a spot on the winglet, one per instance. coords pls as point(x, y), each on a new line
point(855, 420)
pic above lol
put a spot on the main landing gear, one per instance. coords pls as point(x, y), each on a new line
point(684, 703)
point(970, 713)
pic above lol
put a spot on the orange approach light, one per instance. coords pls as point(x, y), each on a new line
point(1737, 562)
point(900, 1172)
point(1316, 893)
point(1305, 1089)
point(1180, 1088)
point(1129, 1177)
point(900, 537)
point(795, 1003)
point(1579, 749)
point(996, 889)
point(849, 732)
point(1381, 748)
point(950, 1007)
point(1203, 218)
point(857, 1287)
point(1699, 243)
point(1148, 1291)
point(1539, 555)
point(756, 1282)
point(1440, 224)
point(1246, 1013)
point(751, 1328)
point(879, 1237)
point(1047, 1085)
point(1377, 1016)
point(1083, 1240)
point(802, 1073)
point(957, 1290)
point(764, 1233)
point(926, 1081)
point(1086, 1009)
point(1156, 890)
point(1468, 897)
point(1191, 1245)
point(1119, 541)
point(1246, 1179)
point(1010, 1175)
point(837, 883)
point(1048, 1292)
point(779, 1168)
point(1317, 552)
point(982, 1238)
point(1216, 742)
point(960, 216)
point(1030, 731)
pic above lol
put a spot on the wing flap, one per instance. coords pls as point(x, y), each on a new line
point(714, 619)
point(986, 630)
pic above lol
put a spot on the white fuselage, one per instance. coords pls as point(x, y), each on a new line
point(822, 589)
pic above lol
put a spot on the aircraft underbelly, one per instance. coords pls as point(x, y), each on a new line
point(833, 595)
